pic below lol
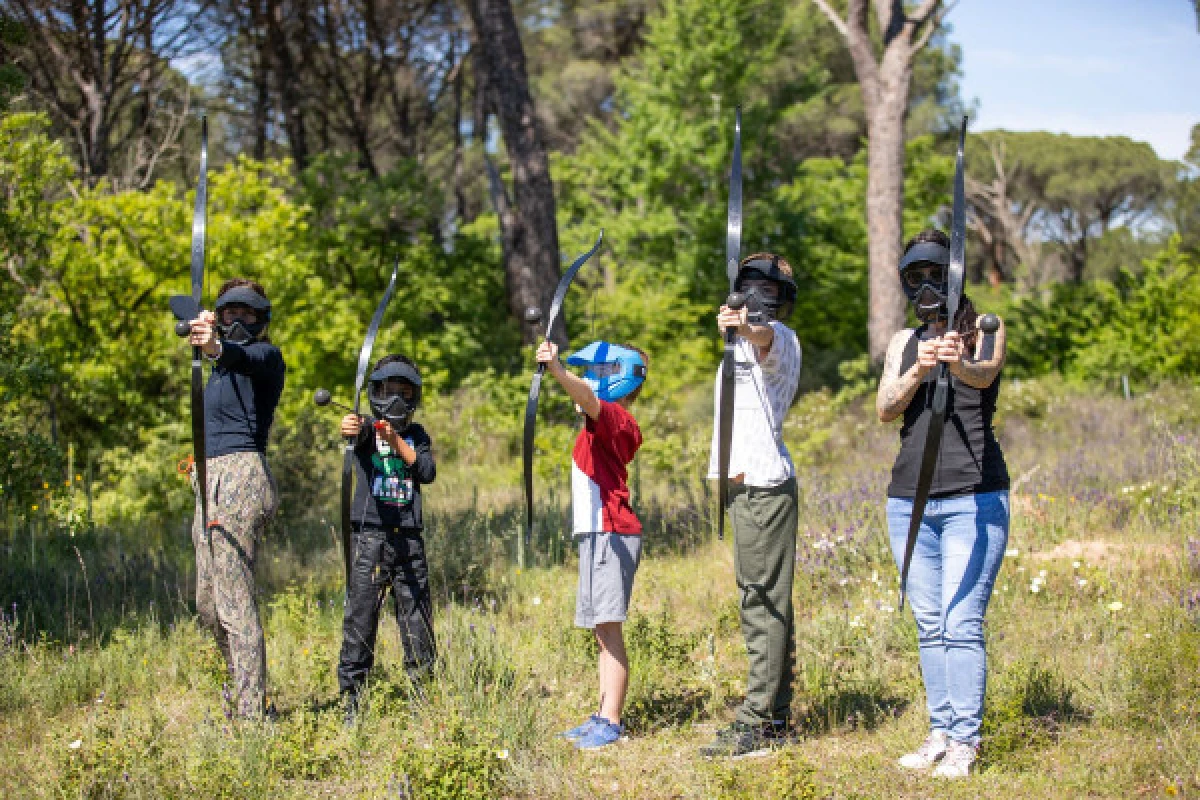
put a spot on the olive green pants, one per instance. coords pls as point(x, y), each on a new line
point(764, 560)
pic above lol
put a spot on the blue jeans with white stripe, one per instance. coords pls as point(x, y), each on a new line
point(959, 548)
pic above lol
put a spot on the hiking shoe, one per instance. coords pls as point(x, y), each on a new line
point(601, 734)
point(740, 740)
point(579, 731)
point(929, 753)
point(958, 760)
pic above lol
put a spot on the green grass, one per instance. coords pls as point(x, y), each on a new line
point(1094, 688)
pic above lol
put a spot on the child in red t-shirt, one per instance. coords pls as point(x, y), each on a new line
point(605, 526)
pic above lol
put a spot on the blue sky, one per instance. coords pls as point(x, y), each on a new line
point(1087, 67)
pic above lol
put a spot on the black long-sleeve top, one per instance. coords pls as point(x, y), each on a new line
point(387, 492)
point(241, 396)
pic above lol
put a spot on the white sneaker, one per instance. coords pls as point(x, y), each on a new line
point(957, 762)
point(928, 754)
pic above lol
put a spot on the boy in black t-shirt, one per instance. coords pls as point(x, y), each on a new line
point(394, 459)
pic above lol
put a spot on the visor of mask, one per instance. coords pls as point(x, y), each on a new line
point(925, 262)
point(612, 371)
point(245, 296)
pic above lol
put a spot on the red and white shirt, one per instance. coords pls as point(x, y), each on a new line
point(599, 479)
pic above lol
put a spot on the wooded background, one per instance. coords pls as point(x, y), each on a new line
point(484, 143)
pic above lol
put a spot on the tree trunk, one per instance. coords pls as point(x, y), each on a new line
point(531, 262)
point(885, 78)
point(286, 76)
point(886, 303)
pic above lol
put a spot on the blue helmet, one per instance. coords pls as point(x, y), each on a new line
point(612, 371)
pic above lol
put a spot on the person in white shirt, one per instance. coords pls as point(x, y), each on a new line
point(762, 500)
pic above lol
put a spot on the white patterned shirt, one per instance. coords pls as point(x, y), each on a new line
point(761, 400)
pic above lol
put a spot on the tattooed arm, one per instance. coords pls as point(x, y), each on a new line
point(982, 367)
point(909, 360)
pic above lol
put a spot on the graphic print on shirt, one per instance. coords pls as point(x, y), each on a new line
point(391, 483)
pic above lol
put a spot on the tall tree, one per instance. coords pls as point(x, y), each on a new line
point(530, 234)
point(1002, 212)
point(1033, 192)
point(102, 68)
point(1182, 204)
point(884, 67)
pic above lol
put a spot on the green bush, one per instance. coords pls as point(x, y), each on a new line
point(463, 762)
point(786, 777)
point(1026, 707)
point(1159, 669)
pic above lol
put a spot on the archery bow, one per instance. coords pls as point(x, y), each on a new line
point(364, 361)
point(733, 247)
point(533, 315)
point(187, 308)
point(941, 390)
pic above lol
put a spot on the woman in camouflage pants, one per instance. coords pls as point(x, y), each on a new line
point(239, 405)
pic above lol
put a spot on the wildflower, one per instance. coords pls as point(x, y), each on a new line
point(856, 622)
point(502, 754)
point(1012, 552)
point(1074, 565)
point(1081, 582)
point(1148, 635)
point(537, 601)
point(1041, 573)
point(1116, 605)
point(35, 506)
point(886, 609)
point(75, 745)
point(1035, 587)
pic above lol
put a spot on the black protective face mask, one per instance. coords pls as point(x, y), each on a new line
point(929, 302)
point(762, 306)
point(391, 407)
point(759, 309)
point(240, 332)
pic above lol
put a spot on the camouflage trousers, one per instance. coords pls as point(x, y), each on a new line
point(241, 500)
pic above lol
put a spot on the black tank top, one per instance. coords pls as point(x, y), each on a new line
point(970, 461)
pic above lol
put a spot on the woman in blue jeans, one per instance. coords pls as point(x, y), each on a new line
point(964, 529)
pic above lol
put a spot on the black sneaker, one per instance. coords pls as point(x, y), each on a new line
point(740, 740)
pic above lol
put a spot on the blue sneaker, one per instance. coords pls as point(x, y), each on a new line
point(602, 734)
point(579, 731)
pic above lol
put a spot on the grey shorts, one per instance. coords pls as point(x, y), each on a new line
point(607, 564)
